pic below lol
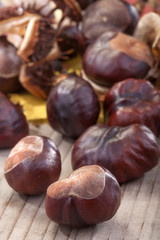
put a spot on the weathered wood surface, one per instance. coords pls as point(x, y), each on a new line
point(23, 217)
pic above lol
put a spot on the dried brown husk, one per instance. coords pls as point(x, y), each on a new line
point(148, 31)
point(70, 8)
point(34, 79)
point(31, 31)
point(37, 78)
point(28, 28)
point(38, 40)
point(34, 34)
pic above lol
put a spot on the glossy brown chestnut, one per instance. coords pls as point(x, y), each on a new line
point(116, 56)
point(10, 65)
point(72, 106)
point(127, 152)
point(90, 195)
point(13, 123)
point(32, 165)
point(133, 101)
point(102, 16)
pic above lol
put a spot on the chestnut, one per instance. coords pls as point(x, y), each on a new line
point(133, 101)
point(127, 152)
point(114, 57)
point(102, 16)
point(71, 41)
point(90, 195)
point(32, 165)
point(10, 65)
point(13, 123)
point(72, 106)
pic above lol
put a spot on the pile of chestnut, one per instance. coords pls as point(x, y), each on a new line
point(105, 155)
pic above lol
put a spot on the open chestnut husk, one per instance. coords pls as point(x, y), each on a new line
point(10, 64)
point(127, 152)
point(72, 106)
point(102, 16)
point(38, 78)
point(90, 195)
point(28, 30)
point(70, 8)
point(32, 165)
point(13, 123)
point(116, 56)
point(133, 101)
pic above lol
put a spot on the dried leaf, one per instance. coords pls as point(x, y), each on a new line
point(33, 108)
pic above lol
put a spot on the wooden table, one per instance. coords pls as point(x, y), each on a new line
point(23, 217)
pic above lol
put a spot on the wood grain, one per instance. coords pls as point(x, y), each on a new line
point(23, 217)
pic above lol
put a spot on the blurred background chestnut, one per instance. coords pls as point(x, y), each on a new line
point(71, 41)
point(111, 15)
point(13, 123)
point(133, 101)
point(114, 57)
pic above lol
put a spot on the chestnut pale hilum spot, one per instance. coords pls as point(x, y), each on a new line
point(29, 146)
point(79, 184)
point(132, 47)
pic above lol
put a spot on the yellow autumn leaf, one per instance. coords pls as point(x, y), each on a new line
point(33, 108)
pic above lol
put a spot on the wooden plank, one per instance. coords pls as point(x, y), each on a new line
point(10, 215)
point(127, 207)
point(153, 208)
point(26, 217)
point(141, 205)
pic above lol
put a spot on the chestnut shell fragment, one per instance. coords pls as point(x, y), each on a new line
point(90, 195)
point(116, 56)
point(127, 152)
point(133, 101)
point(72, 106)
point(32, 165)
point(13, 124)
